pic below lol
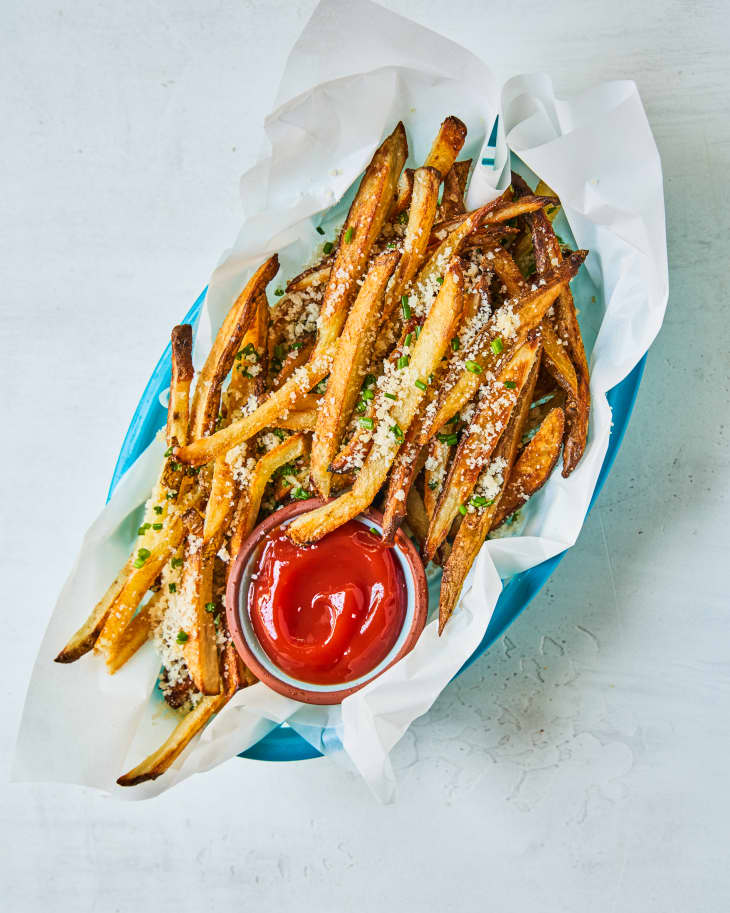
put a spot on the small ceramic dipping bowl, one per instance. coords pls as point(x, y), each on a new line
point(247, 643)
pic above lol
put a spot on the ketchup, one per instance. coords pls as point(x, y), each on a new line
point(330, 612)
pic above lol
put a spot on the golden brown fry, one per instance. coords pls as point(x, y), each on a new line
point(447, 145)
point(134, 635)
point(274, 412)
point(293, 359)
point(476, 524)
point(206, 398)
point(349, 367)
point(314, 275)
point(221, 501)
point(491, 416)
point(362, 226)
point(549, 260)
point(188, 727)
point(299, 420)
point(416, 515)
point(249, 503)
point(136, 585)
point(396, 499)
point(196, 589)
point(182, 375)
point(452, 202)
point(403, 194)
point(438, 453)
point(426, 183)
point(533, 467)
point(425, 356)
point(86, 636)
point(251, 361)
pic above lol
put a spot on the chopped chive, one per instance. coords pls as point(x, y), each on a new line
point(156, 526)
point(176, 562)
point(369, 380)
point(143, 553)
point(391, 245)
point(473, 367)
point(157, 509)
point(170, 495)
point(405, 307)
point(218, 422)
point(367, 394)
point(172, 587)
point(407, 340)
point(440, 280)
point(168, 452)
point(181, 636)
point(375, 532)
point(320, 230)
point(403, 361)
point(321, 386)
point(193, 470)
point(361, 407)
point(510, 384)
point(279, 433)
point(366, 422)
point(433, 485)
point(327, 247)
point(138, 562)
point(396, 431)
point(455, 343)
point(300, 493)
point(210, 607)
point(390, 396)
point(462, 509)
point(279, 292)
point(403, 218)
point(420, 384)
point(249, 349)
point(418, 331)
point(496, 345)
point(348, 234)
point(295, 346)
point(450, 439)
point(174, 466)
point(479, 501)
point(239, 355)
point(430, 377)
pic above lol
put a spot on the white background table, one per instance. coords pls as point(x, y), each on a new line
point(580, 765)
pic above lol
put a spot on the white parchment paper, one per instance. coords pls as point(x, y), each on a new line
point(355, 71)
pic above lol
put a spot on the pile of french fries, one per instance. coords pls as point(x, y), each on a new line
point(430, 363)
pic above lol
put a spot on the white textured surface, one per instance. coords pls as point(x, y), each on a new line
point(582, 763)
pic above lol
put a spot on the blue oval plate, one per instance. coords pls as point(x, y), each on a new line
point(283, 744)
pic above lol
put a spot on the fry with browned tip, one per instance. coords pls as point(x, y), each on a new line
point(349, 366)
point(181, 378)
point(478, 520)
point(447, 145)
point(207, 395)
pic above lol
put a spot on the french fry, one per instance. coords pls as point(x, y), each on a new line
point(396, 499)
point(221, 500)
point(196, 591)
point(188, 727)
point(312, 276)
point(274, 412)
point(447, 145)
point(422, 213)
point(491, 416)
point(416, 516)
point(452, 202)
point(293, 359)
point(136, 585)
point(86, 636)
point(549, 260)
point(206, 397)
point(299, 420)
point(476, 524)
point(554, 355)
point(403, 194)
point(135, 635)
point(437, 459)
point(533, 467)
point(250, 363)
point(250, 501)
point(362, 226)
point(348, 368)
point(429, 347)
point(182, 375)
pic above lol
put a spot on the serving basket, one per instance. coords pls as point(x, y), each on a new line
point(283, 743)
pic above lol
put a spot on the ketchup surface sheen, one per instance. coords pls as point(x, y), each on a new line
point(330, 612)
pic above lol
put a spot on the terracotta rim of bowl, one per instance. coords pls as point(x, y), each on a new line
point(233, 591)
